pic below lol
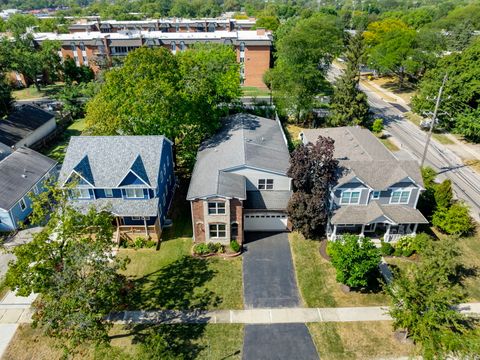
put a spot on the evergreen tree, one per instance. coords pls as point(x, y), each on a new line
point(349, 104)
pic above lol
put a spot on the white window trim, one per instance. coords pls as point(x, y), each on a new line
point(217, 231)
point(265, 184)
point(376, 197)
point(135, 193)
point(110, 194)
point(136, 218)
point(401, 190)
point(216, 208)
point(350, 197)
point(23, 204)
point(80, 195)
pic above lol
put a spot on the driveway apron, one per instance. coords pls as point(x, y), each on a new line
point(269, 282)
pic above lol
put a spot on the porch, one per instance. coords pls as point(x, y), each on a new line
point(143, 227)
point(376, 231)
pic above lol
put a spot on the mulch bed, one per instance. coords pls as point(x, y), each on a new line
point(323, 250)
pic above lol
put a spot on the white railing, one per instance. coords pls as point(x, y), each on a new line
point(395, 237)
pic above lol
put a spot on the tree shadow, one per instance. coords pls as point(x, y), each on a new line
point(175, 286)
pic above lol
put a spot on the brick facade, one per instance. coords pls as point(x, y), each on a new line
point(257, 62)
point(198, 220)
point(236, 215)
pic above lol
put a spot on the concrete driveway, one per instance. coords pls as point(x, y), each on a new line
point(279, 341)
point(268, 273)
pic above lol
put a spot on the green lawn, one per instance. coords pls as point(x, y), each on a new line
point(316, 279)
point(357, 340)
point(389, 144)
point(441, 138)
point(32, 92)
point(212, 341)
point(57, 150)
point(254, 91)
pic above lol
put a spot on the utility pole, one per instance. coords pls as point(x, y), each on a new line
point(434, 118)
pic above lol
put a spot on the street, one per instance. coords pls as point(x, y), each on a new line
point(466, 183)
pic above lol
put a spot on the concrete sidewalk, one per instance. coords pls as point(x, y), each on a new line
point(264, 316)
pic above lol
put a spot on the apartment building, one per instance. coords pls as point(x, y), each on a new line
point(97, 49)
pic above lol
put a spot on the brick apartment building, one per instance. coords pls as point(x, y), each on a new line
point(98, 48)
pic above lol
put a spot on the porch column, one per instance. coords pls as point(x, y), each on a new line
point(387, 234)
point(146, 226)
point(363, 231)
point(414, 232)
point(332, 236)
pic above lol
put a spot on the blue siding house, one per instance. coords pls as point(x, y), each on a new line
point(22, 172)
point(130, 176)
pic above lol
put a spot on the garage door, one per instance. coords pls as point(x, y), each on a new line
point(265, 222)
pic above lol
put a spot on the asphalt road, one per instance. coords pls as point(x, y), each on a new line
point(466, 183)
point(268, 274)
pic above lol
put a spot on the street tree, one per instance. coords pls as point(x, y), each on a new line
point(424, 297)
point(305, 49)
point(180, 96)
point(355, 260)
point(313, 170)
point(349, 105)
point(71, 265)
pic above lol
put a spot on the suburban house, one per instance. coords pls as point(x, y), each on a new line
point(22, 172)
point(25, 126)
point(376, 193)
point(130, 176)
point(239, 182)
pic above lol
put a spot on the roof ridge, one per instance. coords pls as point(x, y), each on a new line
point(357, 141)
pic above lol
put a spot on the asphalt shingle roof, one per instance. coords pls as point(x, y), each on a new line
point(21, 123)
point(244, 140)
point(362, 155)
point(120, 207)
point(106, 160)
point(361, 214)
point(268, 200)
point(19, 172)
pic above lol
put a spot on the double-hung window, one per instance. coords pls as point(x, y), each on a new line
point(218, 230)
point(400, 196)
point(134, 193)
point(216, 208)
point(109, 193)
point(82, 193)
point(350, 197)
point(23, 205)
point(265, 184)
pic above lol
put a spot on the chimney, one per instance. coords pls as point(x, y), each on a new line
point(260, 31)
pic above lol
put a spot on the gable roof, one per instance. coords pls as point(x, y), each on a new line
point(19, 172)
point(362, 155)
point(21, 123)
point(111, 158)
point(244, 140)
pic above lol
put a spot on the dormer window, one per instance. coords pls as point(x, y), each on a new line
point(109, 193)
point(400, 196)
point(82, 193)
point(134, 193)
point(350, 197)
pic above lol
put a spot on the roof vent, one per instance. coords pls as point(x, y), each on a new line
point(24, 176)
point(263, 139)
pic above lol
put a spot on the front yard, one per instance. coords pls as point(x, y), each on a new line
point(357, 340)
point(212, 341)
point(316, 279)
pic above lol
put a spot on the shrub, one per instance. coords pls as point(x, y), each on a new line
point(377, 126)
point(386, 248)
point(201, 249)
point(454, 221)
point(235, 246)
point(355, 260)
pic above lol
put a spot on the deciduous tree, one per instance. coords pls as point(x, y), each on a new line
point(6, 99)
point(313, 170)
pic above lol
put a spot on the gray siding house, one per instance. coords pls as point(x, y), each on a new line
point(376, 194)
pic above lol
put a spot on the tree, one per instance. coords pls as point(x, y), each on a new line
point(444, 194)
point(180, 96)
point(72, 72)
point(355, 260)
point(71, 265)
point(267, 22)
point(426, 201)
point(454, 220)
point(377, 126)
point(6, 98)
point(313, 170)
point(305, 49)
point(349, 105)
point(423, 303)
point(461, 99)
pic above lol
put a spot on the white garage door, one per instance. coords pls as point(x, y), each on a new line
point(265, 222)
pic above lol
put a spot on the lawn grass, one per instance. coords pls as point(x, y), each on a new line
point(252, 91)
point(474, 164)
point(212, 341)
point(3, 288)
point(57, 150)
point(32, 92)
point(316, 279)
point(357, 340)
point(172, 279)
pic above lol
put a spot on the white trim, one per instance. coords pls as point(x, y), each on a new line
point(108, 195)
point(401, 190)
point(351, 191)
point(69, 176)
point(238, 167)
point(134, 173)
point(135, 189)
point(22, 200)
point(373, 195)
point(349, 182)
